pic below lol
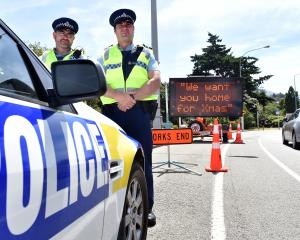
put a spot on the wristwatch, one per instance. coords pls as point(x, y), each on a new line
point(132, 96)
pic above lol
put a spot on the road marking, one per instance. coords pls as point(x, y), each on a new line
point(280, 164)
point(218, 230)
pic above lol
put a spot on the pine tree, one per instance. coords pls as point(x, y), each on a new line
point(290, 100)
point(217, 60)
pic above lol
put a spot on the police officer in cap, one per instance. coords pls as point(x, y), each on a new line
point(63, 35)
point(133, 81)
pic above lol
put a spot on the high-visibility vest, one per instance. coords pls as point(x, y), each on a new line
point(49, 57)
point(112, 65)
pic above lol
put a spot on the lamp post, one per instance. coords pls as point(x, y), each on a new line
point(257, 115)
point(295, 90)
point(240, 70)
point(240, 66)
point(154, 38)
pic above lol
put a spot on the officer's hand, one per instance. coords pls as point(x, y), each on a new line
point(125, 102)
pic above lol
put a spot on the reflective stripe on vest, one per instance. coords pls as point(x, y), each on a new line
point(114, 73)
point(49, 57)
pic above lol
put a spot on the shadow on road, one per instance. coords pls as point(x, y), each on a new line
point(242, 156)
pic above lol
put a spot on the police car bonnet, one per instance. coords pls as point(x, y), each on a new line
point(65, 23)
point(121, 15)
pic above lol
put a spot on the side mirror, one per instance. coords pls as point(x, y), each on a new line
point(76, 80)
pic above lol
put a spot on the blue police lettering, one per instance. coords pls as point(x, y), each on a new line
point(99, 154)
point(73, 163)
point(59, 198)
point(32, 145)
point(20, 136)
point(81, 138)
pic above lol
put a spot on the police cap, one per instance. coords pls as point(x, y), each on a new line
point(121, 15)
point(65, 23)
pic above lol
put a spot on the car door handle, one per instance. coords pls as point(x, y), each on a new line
point(116, 169)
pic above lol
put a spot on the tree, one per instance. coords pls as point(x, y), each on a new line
point(290, 100)
point(37, 48)
point(217, 60)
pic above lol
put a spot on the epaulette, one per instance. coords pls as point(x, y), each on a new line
point(147, 50)
point(147, 46)
point(106, 52)
point(108, 47)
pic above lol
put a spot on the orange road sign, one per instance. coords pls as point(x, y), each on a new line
point(172, 136)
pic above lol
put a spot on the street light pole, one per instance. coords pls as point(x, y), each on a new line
point(240, 66)
point(240, 70)
point(154, 38)
point(295, 90)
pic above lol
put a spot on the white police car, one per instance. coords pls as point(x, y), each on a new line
point(66, 171)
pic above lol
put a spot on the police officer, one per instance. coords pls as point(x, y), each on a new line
point(64, 35)
point(133, 80)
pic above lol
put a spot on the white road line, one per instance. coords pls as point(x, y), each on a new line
point(218, 230)
point(280, 164)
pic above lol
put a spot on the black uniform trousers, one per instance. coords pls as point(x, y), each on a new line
point(136, 123)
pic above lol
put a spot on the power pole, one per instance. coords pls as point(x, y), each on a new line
point(154, 38)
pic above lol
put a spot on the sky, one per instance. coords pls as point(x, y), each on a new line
point(183, 27)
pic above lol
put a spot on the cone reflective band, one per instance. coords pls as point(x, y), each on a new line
point(172, 136)
point(216, 129)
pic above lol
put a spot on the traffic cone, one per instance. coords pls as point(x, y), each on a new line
point(215, 159)
point(238, 138)
point(230, 132)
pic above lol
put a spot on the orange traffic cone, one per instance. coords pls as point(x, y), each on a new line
point(238, 138)
point(230, 132)
point(215, 159)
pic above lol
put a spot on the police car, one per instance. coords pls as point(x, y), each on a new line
point(66, 171)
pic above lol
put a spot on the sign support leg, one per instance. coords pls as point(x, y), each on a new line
point(177, 164)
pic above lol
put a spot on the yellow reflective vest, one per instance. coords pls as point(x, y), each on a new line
point(49, 57)
point(112, 64)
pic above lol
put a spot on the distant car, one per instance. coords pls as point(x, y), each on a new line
point(66, 171)
point(291, 129)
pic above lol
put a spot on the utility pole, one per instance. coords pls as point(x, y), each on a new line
point(154, 43)
point(240, 70)
point(295, 91)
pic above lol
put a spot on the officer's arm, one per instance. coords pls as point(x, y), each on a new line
point(124, 100)
point(118, 96)
point(150, 87)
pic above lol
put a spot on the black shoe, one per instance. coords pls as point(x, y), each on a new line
point(151, 219)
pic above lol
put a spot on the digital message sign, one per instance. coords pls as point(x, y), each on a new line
point(206, 97)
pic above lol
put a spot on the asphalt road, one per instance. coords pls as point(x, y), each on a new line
point(258, 198)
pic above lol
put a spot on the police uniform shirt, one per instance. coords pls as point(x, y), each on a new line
point(152, 66)
point(61, 57)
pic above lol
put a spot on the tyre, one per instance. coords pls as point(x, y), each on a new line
point(296, 145)
point(284, 141)
point(196, 127)
point(134, 221)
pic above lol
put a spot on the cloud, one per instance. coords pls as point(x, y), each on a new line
point(182, 29)
point(15, 6)
point(284, 64)
point(243, 25)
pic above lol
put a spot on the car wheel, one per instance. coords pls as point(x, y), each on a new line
point(196, 127)
point(134, 221)
point(296, 145)
point(284, 141)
